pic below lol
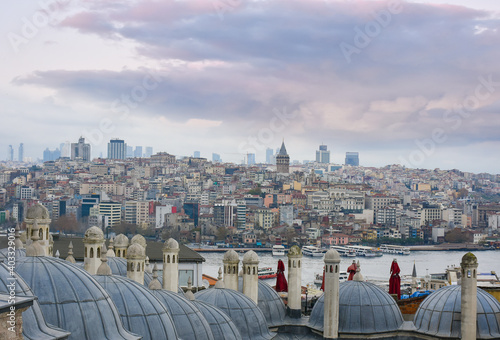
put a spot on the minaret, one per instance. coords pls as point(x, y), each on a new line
point(135, 263)
point(37, 217)
point(469, 297)
point(92, 242)
point(231, 263)
point(35, 248)
point(120, 245)
point(111, 250)
point(294, 306)
point(171, 265)
point(414, 284)
point(70, 257)
point(331, 302)
point(251, 275)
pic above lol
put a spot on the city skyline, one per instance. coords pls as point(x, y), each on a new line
point(348, 76)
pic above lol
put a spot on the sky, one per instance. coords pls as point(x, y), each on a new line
point(402, 82)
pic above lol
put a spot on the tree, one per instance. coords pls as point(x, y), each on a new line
point(456, 236)
point(66, 224)
point(125, 228)
point(221, 233)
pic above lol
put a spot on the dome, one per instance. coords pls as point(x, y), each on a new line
point(188, 320)
point(363, 308)
point(250, 257)
point(171, 244)
point(294, 251)
point(241, 309)
point(469, 259)
point(93, 234)
point(140, 311)
point(34, 324)
point(223, 328)
point(135, 251)
point(121, 241)
point(269, 302)
point(71, 299)
point(4, 254)
point(332, 256)
point(37, 211)
point(139, 239)
point(231, 256)
point(440, 314)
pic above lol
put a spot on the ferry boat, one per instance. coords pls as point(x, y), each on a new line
point(366, 251)
point(278, 250)
point(344, 251)
point(396, 250)
point(318, 280)
point(266, 273)
point(312, 251)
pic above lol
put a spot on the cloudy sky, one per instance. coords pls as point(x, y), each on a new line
point(416, 82)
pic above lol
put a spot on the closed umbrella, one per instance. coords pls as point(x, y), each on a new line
point(352, 270)
point(281, 284)
point(395, 280)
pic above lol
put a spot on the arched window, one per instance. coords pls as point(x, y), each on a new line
point(224, 269)
point(331, 269)
point(91, 252)
point(98, 252)
point(86, 252)
point(253, 271)
point(173, 258)
point(289, 263)
point(299, 263)
point(248, 271)
point(336, 269)
point(142, 265)
point(168, 258)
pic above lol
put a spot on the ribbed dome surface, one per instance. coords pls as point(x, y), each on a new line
point(188, 320)
point(363, 308)
point(140, 311)
point(440, 314)
point(34, 325)
point(4, 254)
point(223, 328)
point(71, 299)
point(242, 310)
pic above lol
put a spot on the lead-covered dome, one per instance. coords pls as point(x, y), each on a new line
point(121, 241)
point(71, 299)
point(363, 308)
point(223, 328)
point(440, 314)
point(250, 257)
point(93, 234)
point(37, 211)
point(171, 244)
point(241, 309)
point(231, 256)
point(140, 311)
point(140, 240)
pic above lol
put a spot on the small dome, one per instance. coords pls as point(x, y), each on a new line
point(121, 241)
point(171, 244)
point(363, 308)
point(231, 256)
point(93, 234)
point(440, 314)
point(469, 259)
point(71, 299)
point(136, 251)
point(223, 328)
point(139, 239)
point(332, 256)
point(140, 311)
point(188, 320)
point(294, 251)
point(37, 211)
point(250, 257)
point(241, 309)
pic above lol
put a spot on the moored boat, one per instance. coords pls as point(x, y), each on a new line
point(312, 251)
point(266, 273)
point(278, 250)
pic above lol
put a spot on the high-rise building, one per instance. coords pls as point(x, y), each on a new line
point(117, 149)
point(196, 154)
point(283, 160)
point(11, 154)
point(138, 152)
point(216, 158)
point(352, 158)
point(250, 158)
point(130, 151)
point(21, 152)
point(80, 150)
point(323, 155)
point(65, 149)
point(269, 156)
point(49, 155)
point(148, 152)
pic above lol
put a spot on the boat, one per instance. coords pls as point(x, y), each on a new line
point(318, 280)
point(396, 250)
point(366, 251)
point(312, 251)
point(344, 251)
point(278, 250)
point(266, 273)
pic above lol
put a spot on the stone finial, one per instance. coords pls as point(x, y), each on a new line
point(18, 243)
point(111, 250)
point(155, 283)
point(104, 268)
point(148, 268)
point(189, 292)
point(70, 257)
point(220, 282)
point(57, 253)
point(358, 276)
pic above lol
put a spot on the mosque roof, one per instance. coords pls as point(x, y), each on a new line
point(241, 309)
point(140, 311)
point(18, 253)
point(440, 314)
point(188, 320)
point(71, 299)
point(121, 241)
point(363, 308)
point(37, 211)
point(223, 328)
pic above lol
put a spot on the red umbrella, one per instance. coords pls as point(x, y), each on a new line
point(352, 270)
point(281, 284)
point(395, 280)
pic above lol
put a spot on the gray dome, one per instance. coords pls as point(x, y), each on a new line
point(71, 299)
point(139, 239)
point(34, 325)
point(440, 314)
point(37, 211)
point(241, 309)
point(140, 311)
point(4, 254)
point(188, 320)
point(121, 241)
point(269, 302)
point(223, 328)
point(363, 308)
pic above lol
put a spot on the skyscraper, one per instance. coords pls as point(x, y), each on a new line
point(10, 156)
point(197, 154)
point(352, 158)
point(138, 152)
point(130, 151)
point(283, 160)
point(216, 158)
point(322, 155)
point(51, 155)
point(117, 149)
point(65, 149)
point(21, 152)
point(148, 152)
point(269, 156)
point(250, 158)
point(80, 150)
